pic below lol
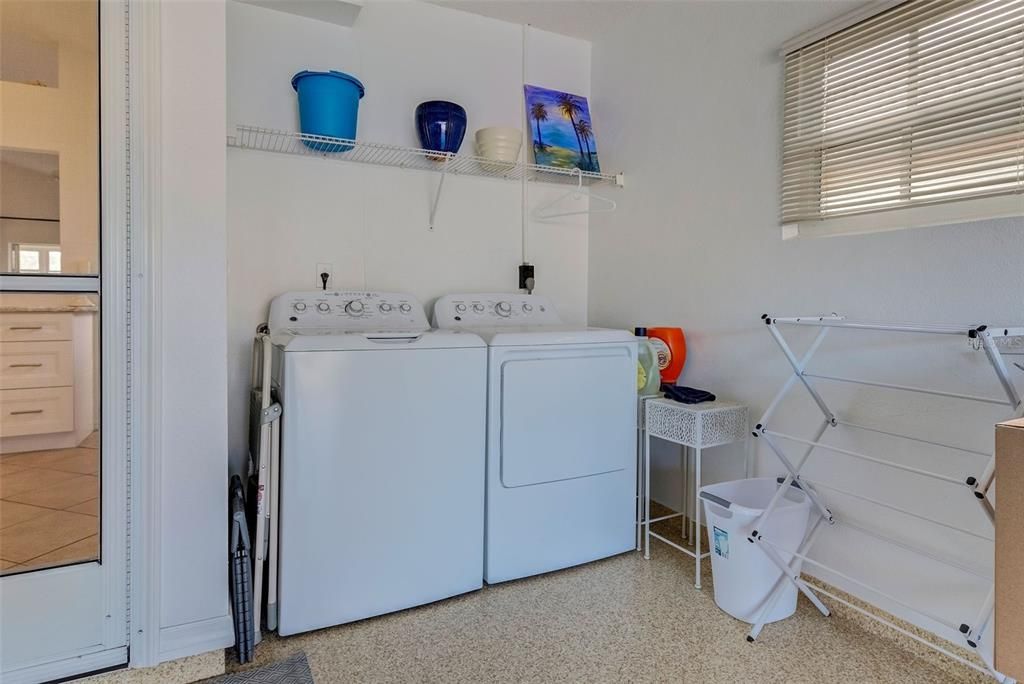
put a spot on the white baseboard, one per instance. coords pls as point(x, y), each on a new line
point(192, 638)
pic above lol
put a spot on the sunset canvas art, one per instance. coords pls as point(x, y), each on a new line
point(561, 129)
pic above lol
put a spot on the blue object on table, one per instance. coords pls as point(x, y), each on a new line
point(328, 106)
point(441, 125)
point(686, 395)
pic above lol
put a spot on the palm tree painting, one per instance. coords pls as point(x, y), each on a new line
point(570, 107)
point(586, 133)
point(563, 133)
point(538, 112)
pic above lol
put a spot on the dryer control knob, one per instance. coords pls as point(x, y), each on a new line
point(323, 307)
point(404, 308)
point(503, 309)
point(384, 307)
point(355, 307)
point(527, 307)
point(461, 308)
point(479, 308)
point(300, 306)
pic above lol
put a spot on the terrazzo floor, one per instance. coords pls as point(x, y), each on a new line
point(622, 619)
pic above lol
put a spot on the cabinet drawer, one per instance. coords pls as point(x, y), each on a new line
point(27, 327)
point(36, 411)
point(24, 365)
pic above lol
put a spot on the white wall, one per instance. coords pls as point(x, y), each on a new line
point(191, 247)
point(690, 100)
point(286, 214)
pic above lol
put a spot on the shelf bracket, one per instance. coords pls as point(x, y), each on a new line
point(440, 186)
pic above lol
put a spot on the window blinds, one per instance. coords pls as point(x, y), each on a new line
point(914, 116)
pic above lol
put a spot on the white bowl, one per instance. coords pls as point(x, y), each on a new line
point(499, 143)
point(499, 148)
point(506, 153)
point(497, 139)
point(499, 133)
point(492, 145)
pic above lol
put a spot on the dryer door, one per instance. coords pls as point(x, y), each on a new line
point(566, 412)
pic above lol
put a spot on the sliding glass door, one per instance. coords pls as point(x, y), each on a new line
point(63, 505)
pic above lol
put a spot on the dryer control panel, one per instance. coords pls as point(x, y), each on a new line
point(336, 311)
point(493, 310)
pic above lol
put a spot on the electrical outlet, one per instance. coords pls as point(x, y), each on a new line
point(526, 277)
point(329, 270)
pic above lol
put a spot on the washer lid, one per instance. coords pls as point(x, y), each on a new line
point(532, 336)
point(331, 340)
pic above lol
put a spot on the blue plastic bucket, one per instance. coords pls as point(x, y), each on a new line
point(329, 106)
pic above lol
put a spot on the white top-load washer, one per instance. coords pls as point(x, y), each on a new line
point(382, 457)
point(561, 434)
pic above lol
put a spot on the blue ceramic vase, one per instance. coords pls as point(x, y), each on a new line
point(441, 125)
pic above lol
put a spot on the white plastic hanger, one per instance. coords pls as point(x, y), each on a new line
point(607, 205)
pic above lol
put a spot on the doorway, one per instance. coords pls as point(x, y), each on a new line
point(63, 340)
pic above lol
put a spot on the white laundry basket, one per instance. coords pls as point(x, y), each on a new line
point(744, 576)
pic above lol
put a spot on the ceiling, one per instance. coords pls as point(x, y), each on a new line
point(586, 19)
point(591, 19)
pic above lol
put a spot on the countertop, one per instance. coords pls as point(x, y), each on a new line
point(46, 303)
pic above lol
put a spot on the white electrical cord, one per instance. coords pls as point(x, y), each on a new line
point(525, 228)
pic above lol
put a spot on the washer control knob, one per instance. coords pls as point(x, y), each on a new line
point(323, 307)
point(355, 307)
point(478, 307)
point(384, 307)
point(503, 309)
point(300, 306)
point(461, 308)
point(404, 308)
point(527, 307)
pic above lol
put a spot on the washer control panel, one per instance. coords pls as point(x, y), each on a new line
point(493, 310)
point(336, 311)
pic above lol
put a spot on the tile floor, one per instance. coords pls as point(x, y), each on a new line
point(49, 507)
point(622, 619)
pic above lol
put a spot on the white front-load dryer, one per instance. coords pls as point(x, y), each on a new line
point(382, 466)
point(561, 434)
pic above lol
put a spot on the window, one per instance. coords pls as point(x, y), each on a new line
point(35, 259)
point(911, 117)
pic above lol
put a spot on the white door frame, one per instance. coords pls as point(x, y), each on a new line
point(144, 69)
point(132, 353)
point(111, 647)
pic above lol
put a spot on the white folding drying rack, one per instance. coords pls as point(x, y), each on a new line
point(977, 486)
point(264, 465)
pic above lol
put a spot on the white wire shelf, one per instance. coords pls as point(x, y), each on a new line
point(382, 154)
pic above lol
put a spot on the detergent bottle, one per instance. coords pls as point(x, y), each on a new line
point(648, 376)
point(670, 344)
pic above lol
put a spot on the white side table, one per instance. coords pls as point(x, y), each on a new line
point(641, 485)
point(695, 427)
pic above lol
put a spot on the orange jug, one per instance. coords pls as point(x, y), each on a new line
point(670, 344)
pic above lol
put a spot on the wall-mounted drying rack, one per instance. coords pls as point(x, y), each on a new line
point(977, 486)
point(397, 156)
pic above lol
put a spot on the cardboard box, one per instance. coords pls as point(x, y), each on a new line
point(1009, 618)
